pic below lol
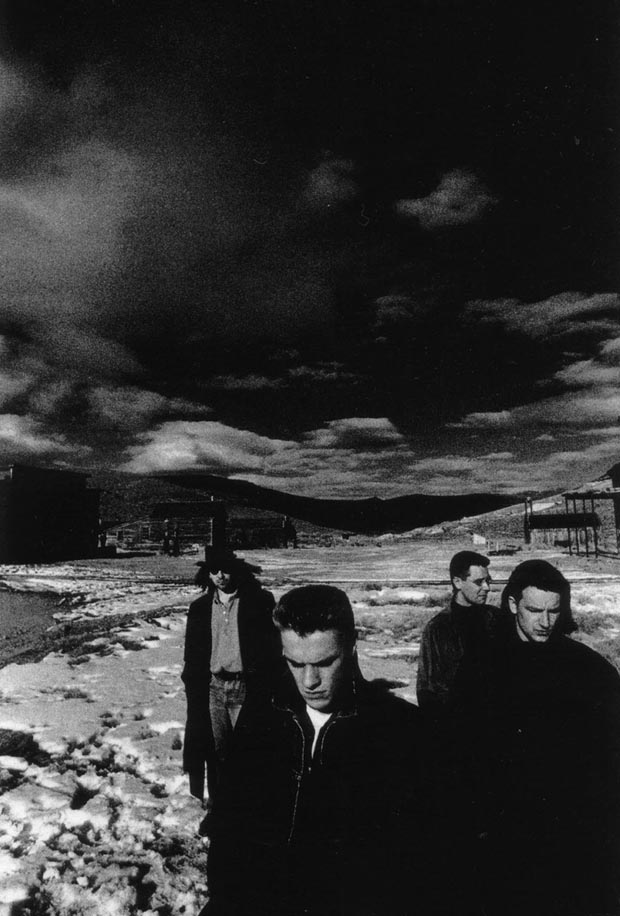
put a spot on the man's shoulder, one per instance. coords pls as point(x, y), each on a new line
point(254, 594)
point(589, 659)
point(443, 620)
point(498, 621)
point(201, 604)
point(375, 698)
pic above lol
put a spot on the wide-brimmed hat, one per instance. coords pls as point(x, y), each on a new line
point(218, 558)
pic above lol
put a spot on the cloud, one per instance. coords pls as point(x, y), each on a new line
point(134, 234)
point(250, 382)
point(331, 184)
point(12, 385)
point(356, 433)
point(130, 408)
point(460, 198)
point(23, 437)
point(200, 445)
point(600, 371)
point(570, 410)
point(322, 373)
point(569, 313)
point(346, 457)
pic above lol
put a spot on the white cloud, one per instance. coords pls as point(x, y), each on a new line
point(572, 409)
point(460, 198)
point(355, 432)
point(22, 436)
point(558, 316)
point(201, 445)
point(130, 407)
point(13, 384)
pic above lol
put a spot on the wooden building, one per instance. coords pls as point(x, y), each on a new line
point(173, 525)
point(46, 515)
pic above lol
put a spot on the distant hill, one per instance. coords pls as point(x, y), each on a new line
point(364, 516)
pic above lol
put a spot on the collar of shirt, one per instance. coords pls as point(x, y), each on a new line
point(225, 598)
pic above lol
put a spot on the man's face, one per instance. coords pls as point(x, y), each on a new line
point(537, 613)
point(474, 588)
point(319, 662)
point(222, 579)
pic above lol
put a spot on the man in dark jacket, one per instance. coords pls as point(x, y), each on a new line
point(461, 630)
point(542, 717)
point(321, 810)
point(231, 651)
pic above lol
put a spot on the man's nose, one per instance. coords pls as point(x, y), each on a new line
point(486, 585)
point(546, 620)
point(311, 677)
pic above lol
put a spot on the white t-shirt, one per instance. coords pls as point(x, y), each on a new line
point(318, 720)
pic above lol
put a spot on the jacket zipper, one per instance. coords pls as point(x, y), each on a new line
point(299, 778)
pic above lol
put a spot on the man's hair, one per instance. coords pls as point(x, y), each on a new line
point(315, 607)
point(541, 574)
point(217, 559)
point(461, 562)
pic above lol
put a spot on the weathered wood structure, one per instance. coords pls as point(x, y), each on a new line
point(575, 528)
point(46, 515)
point(172, 525)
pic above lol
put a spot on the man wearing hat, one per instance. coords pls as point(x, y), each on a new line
point(231, 651)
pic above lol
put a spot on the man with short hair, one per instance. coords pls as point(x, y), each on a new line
point(461, 629)
point(321, 807)
point(544, 718)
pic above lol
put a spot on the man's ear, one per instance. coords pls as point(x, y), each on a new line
point(512, 604)
point(457, 583)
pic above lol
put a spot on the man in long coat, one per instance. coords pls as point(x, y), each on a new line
point(231, 652)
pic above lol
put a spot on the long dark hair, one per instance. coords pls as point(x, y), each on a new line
point(243, 573)
point(541, 574)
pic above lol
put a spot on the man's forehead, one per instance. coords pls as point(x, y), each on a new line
point(538, 597)
point(312, 647)
point(477, 572)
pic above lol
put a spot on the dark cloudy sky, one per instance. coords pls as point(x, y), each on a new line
point(335, 247)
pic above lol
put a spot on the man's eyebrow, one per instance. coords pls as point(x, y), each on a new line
point(539, 610)
point(321, 661)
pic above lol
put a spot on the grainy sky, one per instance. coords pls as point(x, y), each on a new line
point(333, 247)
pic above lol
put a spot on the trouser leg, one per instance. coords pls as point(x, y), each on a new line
point(225, 701)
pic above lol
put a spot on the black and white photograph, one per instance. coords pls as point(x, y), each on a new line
point(309, 458)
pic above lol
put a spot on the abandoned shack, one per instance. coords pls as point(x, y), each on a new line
point(176, 525)
point(46, 515)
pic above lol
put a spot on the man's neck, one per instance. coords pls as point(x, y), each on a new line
point(460, 601)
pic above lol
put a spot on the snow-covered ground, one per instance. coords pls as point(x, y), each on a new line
point(95, 816)
point(95, 813)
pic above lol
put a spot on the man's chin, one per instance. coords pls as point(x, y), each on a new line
point(321, 704)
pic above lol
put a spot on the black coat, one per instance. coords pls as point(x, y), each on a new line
point(455, 637)
point(336, 834)
point(260, 651)
point(542, 725)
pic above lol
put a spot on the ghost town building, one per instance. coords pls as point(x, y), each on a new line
point(589, 524)
point(46, 515)
point(176, 525)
